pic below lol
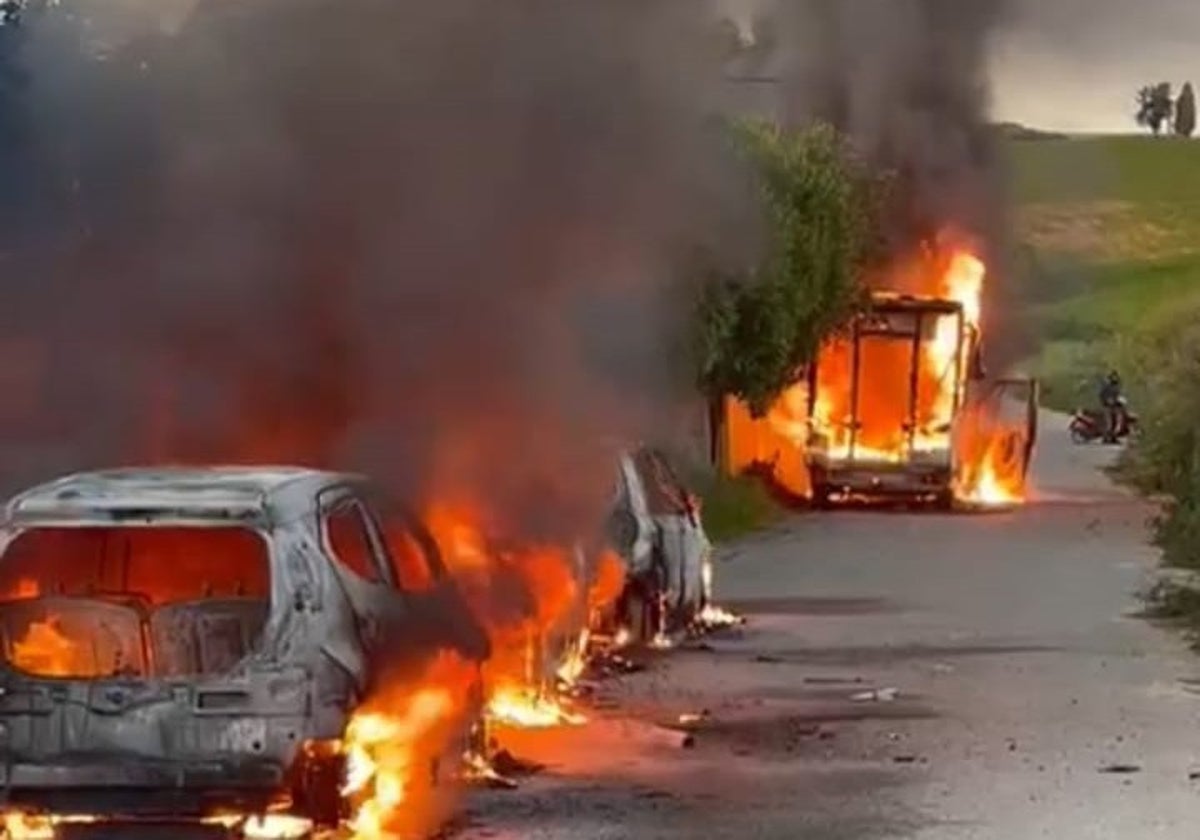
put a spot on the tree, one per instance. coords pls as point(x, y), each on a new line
point(1155, 106)
point(757, 332)
point(1185, 111)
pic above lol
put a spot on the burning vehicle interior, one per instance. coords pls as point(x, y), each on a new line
point(208, 643)
point(884, 398)
point(76, 600)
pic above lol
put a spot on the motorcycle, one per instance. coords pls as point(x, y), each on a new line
point(1090, 424)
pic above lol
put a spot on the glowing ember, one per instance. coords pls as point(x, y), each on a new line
point(575, 662)
point(526, 709)
point(476, 768)
point(714, 617)
point(23, 589)
point(277, 827)
point(21, 826)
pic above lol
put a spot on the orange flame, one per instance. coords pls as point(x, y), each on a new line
point(18, 825)
point(879, 419)
point(882, 410)
point(46, 651)
point(537, 605)
point(992, 470)
point(24, 588)
point(391, 744)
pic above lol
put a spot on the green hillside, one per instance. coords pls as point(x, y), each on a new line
point(1111, 234)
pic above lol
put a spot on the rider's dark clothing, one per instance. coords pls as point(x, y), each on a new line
point(1110, 394)
point(1110, 401)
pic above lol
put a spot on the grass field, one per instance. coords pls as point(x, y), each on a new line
point(1111, 233)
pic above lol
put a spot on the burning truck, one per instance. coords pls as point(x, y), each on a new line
point(898, 404)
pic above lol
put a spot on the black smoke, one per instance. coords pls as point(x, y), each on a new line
point(433, 241)
point(908, 82)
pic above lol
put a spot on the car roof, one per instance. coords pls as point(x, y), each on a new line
point(258, 495)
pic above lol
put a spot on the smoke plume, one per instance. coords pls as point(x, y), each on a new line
point(907, 81)
point(431, 241)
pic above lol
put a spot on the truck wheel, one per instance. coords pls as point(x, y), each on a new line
point(822, 497)
point(944, 501)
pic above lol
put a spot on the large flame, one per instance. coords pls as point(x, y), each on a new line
point(46, 650)
point(538, 604)
point(876, 422)
point(391, 746)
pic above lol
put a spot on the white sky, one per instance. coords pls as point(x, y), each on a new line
point(1076, 65)
point(1070, 65)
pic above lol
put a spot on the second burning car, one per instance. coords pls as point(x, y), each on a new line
point(656, 526)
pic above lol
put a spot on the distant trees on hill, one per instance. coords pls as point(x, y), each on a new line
point(1158, 110)
point(1185, 111)
point(1155, 107)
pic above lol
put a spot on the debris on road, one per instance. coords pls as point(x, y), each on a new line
point(688, 742)
point(879, 695)
point(507, 764)
point(1121, 769)
point(693, 718)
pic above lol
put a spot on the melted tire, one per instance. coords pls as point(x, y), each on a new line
point(317, 790)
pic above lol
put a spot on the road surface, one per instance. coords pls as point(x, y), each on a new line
point(903, 675)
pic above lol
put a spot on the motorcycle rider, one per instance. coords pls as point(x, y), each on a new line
point(1113, 404)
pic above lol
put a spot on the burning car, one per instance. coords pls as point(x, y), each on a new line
point(187, 642)
point(655, 525)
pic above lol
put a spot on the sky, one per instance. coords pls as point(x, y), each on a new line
point(1068, 65)
point(1076, 65)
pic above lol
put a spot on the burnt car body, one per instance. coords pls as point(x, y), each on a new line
point(656, 526)
point(177, 640)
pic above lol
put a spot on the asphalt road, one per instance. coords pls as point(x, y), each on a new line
point(902, 675)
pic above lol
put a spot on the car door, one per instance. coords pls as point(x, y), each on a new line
point(631, 527)
point(677, 527)
point(1016, 401)
point(360, 566)
point(420, 578)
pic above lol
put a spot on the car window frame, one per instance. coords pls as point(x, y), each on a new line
point(329, 502)
point(420, 533)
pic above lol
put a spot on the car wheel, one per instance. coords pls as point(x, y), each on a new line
point(317, 786)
